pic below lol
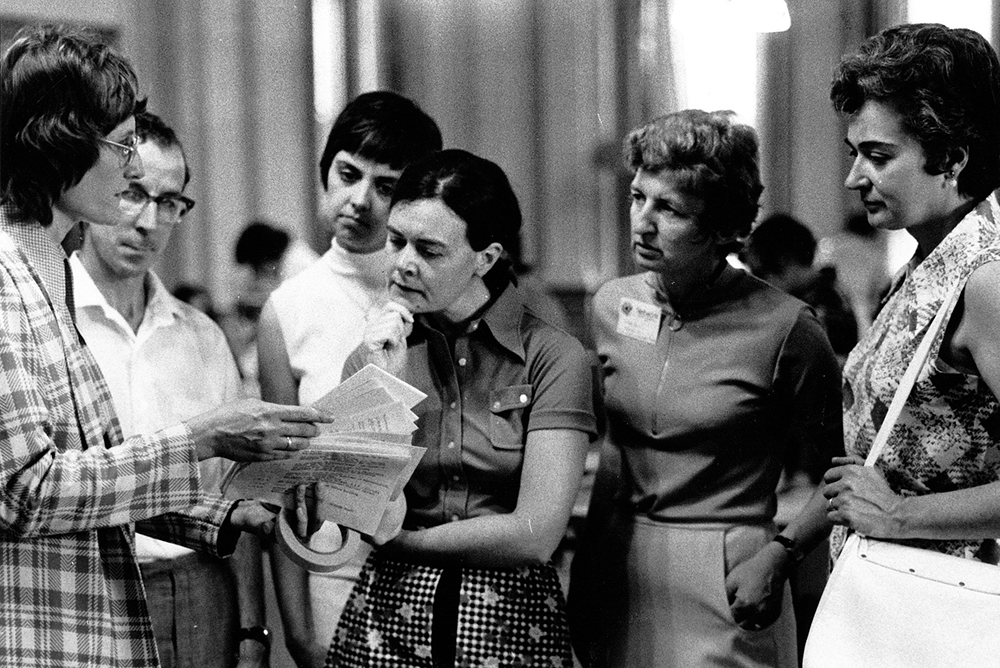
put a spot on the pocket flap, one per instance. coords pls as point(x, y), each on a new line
point(508, 398)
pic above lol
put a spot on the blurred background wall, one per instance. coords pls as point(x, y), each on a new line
point(546, 88)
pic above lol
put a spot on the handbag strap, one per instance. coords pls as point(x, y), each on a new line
point(910, 377)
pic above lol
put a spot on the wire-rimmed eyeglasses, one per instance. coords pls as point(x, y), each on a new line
point(126, 151)
point(170, 209)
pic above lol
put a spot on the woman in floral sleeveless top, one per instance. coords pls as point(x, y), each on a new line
point(922, 103)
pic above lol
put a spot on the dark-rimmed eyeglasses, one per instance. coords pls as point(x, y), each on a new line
point(170, 209)
point(126, 152)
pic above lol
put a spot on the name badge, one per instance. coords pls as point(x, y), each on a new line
point(638, 320)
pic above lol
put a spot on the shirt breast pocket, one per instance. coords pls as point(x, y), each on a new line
point(509, 407)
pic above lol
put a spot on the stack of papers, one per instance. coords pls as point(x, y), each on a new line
point(364, 457)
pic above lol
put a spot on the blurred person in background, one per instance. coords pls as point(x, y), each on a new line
point(860, 254)
point(270, 255)
point(197, 296)
point(782, 251)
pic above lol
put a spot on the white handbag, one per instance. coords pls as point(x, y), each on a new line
point(892, 606)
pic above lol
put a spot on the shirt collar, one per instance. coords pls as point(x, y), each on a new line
point(160, 306)
point(713, 292)
point(44, 255)
point(370, 267)
point(501, 319)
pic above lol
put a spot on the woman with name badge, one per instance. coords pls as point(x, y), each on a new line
point(506, 422)
point(709, 375)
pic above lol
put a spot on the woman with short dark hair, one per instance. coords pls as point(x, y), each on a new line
point(709, 376)
point(922, 104)
point(506, 421)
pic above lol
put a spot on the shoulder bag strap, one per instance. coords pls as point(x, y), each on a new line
point(910, 377)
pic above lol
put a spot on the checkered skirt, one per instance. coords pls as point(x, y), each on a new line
point(506, 617)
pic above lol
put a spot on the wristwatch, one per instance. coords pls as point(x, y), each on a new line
point(258, 633)
point(791, 547)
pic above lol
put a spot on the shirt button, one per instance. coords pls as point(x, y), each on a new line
point(523, 398)
point(453, 404)
point(461, 361)
point(455, 518)
point(496, 404)
point(456, 478)
point(451, 444)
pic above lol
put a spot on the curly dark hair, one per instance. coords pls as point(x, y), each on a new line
point(717, 159)
point(479, 193)
point(945, 85)
point(61, 91)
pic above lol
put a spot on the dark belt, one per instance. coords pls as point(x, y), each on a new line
point(445, 626)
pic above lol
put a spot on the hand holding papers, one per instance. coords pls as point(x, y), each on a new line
point(363, 458)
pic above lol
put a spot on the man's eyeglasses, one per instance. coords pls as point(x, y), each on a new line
point(126, 151)
point(169, 208)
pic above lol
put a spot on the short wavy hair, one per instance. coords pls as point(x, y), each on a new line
point(479, 193)
point(151, 127)
point(717, 159)
point(945, 85)
point(381, 126)
point(61, 91)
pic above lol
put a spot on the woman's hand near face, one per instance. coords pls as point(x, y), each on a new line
point(859, 498)
point(386, 330)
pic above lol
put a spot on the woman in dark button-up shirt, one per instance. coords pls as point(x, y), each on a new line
point(505, 423)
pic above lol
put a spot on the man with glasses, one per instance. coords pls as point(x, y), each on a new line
point(165, 361)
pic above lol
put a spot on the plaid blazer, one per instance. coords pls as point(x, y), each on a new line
point(70, 489)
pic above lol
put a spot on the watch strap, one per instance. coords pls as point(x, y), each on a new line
point(258, 633)
point(791, 547)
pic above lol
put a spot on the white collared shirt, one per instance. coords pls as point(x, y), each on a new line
point(177, 365)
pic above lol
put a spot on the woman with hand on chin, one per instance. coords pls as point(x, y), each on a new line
point(709, 376)
point(506, 423)
point(922, 104)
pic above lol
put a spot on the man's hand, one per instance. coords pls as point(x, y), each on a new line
point(254, 431)
point(386, 330)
